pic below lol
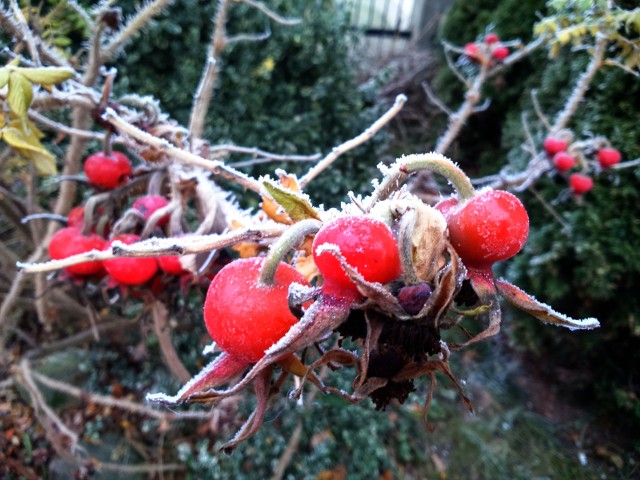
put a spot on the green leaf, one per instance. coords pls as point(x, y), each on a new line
point(20, 94)
point(46, 75)
point(297, 206)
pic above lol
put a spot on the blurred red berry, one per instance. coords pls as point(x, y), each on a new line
point(608, 157)
point(563, 161)
point(107, 171)
point(130, 270)
point(580, 183)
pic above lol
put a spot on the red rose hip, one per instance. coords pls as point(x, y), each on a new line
point(367, 245)
point(553, 145)
point(490, 227)
point(130, 270)
point(245, 317)
point(563, 161)
point(580, 183)
point(70, 241)
point(608, 157)
point(500, 53)
point(148, 205)
point(107, 171)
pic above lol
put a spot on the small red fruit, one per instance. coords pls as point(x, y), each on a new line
point(243, 316)
point(608, 157)
point(171, 265)
point(107, 171)
point(130, 270)
point(500, 53)
point(553, 145)
point(563, 161)
point(367, 245)
point(491, 38)
point(75, 217)
point(580, 183)
point(147, 206)
point(490, 227)
point(70, 241)
point(472, 51)
point(446, 206)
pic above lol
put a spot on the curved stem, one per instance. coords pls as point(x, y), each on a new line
point(292, 237)
point(435, 162)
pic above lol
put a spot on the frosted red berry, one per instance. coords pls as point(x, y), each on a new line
point(490, 227)
point(608, 157)
point(367, 245)
point(491, 38)
point(553, 145)
point(107, 171)
point(500, 53)
point(580, 183)
point(70, 241)
point(245, 317)
point(563, 161)
point(472, 51)
point(130, 270)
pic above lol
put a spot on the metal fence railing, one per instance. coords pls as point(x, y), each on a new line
point(387, 25)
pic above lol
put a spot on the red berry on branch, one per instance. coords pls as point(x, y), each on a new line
point(490, 227)
point(130, 270)
point(500, 53)
point(472, 51)
point(75, 217)
point(70, 241)
point(491, 38)
point(608, 157)
point(553, 145)
point(580, 183)
point(147, 206)
point(171, 265)
point(563, 161)
point(107, 171)
point(245, 317)
point(367, 245)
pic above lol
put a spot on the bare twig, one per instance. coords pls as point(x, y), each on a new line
point(435, 99)
point(159, 246)
point(26, 32)
point(135, 25)
point(160, 315)
point(582, 86)
point(204, 92)
point(188, 158)
point(270, 13)
point(259, 153)
point(536, 106)
point(354, 142)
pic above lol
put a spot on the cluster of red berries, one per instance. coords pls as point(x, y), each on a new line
point(490, 227)
point(488, 51)
point(108, 172)
point(565, 158)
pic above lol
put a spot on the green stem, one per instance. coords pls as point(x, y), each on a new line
point(291, 238)
point(408, 164)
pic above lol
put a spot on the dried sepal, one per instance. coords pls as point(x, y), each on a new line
point(541, 311)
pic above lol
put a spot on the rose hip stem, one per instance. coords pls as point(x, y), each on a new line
point(408, 164)
point(291, 238)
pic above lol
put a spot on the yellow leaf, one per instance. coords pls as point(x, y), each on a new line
point(4, 76)
point(295, 204)
point(47, 75)
point(30, 147)
point(20, 94)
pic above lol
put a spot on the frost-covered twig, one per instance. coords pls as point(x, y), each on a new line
point(154, 247)
point(270, 13)
point(188, 158)
point(354, 142)
point(141, 19)
point(435, 99)
point(204, 92)
point(262, 154)
point(26, 32)
point(582, 86)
